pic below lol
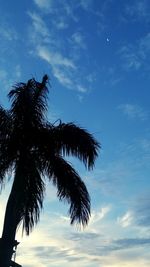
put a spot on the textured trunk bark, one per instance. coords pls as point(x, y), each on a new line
point(11, 220)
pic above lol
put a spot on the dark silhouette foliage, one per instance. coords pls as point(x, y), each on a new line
point(33, 148)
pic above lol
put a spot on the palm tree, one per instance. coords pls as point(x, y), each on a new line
point(32, 148)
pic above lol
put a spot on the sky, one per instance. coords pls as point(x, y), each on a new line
point(97, 55)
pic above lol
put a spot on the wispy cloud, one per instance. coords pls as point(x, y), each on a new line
point(51, 7)
point(129, 242)
point(138, 215)
point(55, 58)
point(41, 31)
point(46, 46)
point(69, 8)
point(78, 40)
point(73, 247)
point(111, 179)
point(51, 244)
point(135, 56)
point(141, 211)
point(138, 9)
point(137, 153)
point(61, 66)
point(60, 23)
point(126, 219)
point(131, 58)
point(86, 4)
point(144, 46)
point(8, 33)
point(43, 3)
point(133, 111)
point(99, 215)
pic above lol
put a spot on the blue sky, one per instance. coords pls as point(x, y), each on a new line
point(97, 55)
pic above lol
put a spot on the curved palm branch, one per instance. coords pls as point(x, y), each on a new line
point(70, 188)
point(76, 141)
point(69, 139)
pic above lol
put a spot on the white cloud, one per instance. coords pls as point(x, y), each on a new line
point(133, 111)
point(69, 10)
point(141, 210)
point(39, 26)
point(126, 220)
point(54, 58)
point(131, 58)
point(48, 46)
point(78, 39)
point(60, 23)
point(99, 215)
point(62, 68)
point(8, 33)
point(85, 4)
point(54, 242)
point(138, 9)
point(135, 56)
point(43, 3)
point(81, 89)
point(62, 77)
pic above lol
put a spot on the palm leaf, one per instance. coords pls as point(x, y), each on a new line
point(7, 158)
point(5, 121)
point(29, 189)
point(29, 102)
point(70, 188)
point(69, 139)
point(7, 154)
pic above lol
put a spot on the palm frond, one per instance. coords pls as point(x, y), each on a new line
point(40, 88)
point(29, 189)
point(29, 101)
point(7, 151)
point(7, 159)
point(70, 188)
point(5, 122)
point(21, 98)
point(40, 91)
point(70, 140)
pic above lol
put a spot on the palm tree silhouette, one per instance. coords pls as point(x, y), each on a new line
point(32, 148)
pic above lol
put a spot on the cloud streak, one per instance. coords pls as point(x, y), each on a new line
point(46, 46)
point(45, 4)
point(133, 111)
point(138, 10)
point(126, 220)
point(135, 56)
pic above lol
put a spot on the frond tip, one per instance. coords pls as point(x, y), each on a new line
point(45, 80)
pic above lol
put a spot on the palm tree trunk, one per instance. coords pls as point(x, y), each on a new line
point(7, 241)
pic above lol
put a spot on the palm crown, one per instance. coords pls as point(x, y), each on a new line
point(34, 148)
